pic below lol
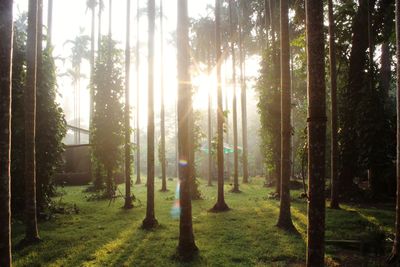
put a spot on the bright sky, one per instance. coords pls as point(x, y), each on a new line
point(71, 15)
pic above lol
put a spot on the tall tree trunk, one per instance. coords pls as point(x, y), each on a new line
point(31, 233)
point(227, 158)
point(357, 61)
point(234, 105)
point(316, 133)
point(220, 205)
point(396, 244)
point(334, 119)
point(176, 138)
point(150, 220)
point(39, 84)
point(267, 22)
point(242, 59)
point(276, 70)
point(110, 179)
point(162, 115)
point(109, 31)
point(49, 22)
point(186, 248)
point(99, 29)
point(6, 44)
point(92, 62)
point(209, 135)
point(138, 180)
point(110, 184)
point(285, 220)
point(385, 72)
point(385, 60)
point(128, 197)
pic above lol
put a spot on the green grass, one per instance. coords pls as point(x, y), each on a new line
point(103, 235)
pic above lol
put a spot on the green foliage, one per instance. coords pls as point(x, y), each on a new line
point(50, 124)
point(51, 129)
point(198, 136)
point(269, 109)
point(366, 113)
point(107, 135)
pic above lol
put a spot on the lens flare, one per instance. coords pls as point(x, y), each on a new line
point(176, 208)
point(183, 162)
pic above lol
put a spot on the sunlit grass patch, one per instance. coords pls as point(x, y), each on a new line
point(103, 235)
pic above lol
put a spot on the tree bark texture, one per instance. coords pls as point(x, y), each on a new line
point(150, 220)
point(31, 233)
point(6, 45)
point(316, 133)
point(186, 247)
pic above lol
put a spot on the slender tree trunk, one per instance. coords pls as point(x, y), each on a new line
point(39, 85)
point(128, 197)
point(234, 105)
point(334, 119)
point(109, 31)
point(267, 22)
point(99, 29)
point(242, 59)
point(285, 220)
point(49, 22)
point(276, 67)
point(176, 137)
point(150, 220)
point(220, 205)
point(316, 133)
point(138, 180)
point(6, 45)
point(396, 244)
point(227, 158)
point(162, 115)
point(92, 62)
point(357, 61)
point(186, 248)
point(209, 136)
point(385, 72)
point(31, 234)
point(110, 184)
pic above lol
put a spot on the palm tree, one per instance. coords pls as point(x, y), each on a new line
point(234, 106)
point(150, 220)
point(334, 120)
point(285, 220)
point(138, 180)
point(6, 44)
point(128, 197)
point(242, 56)
point(396, 244)
point(186, 247)
point(220, 205)
point(316, 132)
point(79, 52)
point(162, 115)
point(31, 233)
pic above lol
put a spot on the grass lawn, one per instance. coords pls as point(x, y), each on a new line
point(103, 235)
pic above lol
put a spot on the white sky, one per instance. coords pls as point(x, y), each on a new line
point(70, 15)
